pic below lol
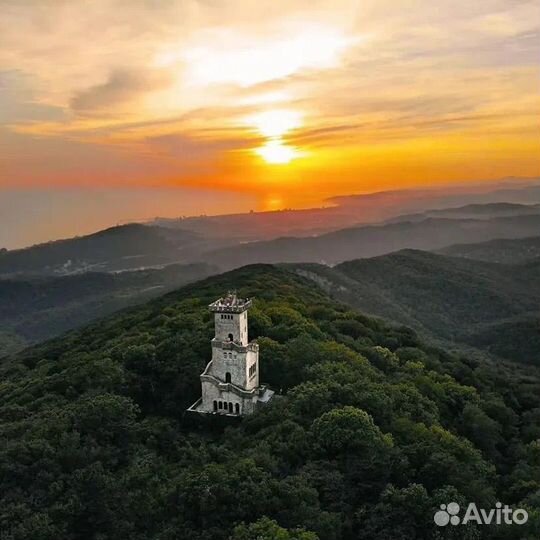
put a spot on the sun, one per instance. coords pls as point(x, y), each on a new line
point(276, 153)
point(273, 125)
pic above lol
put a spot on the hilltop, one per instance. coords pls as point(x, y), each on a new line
point(373, 431)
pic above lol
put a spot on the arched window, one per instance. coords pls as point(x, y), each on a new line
point(230, 407)
point(215, 405)
point(227, 377)
point(231, 337)
point(220, 405)
point(237, 408)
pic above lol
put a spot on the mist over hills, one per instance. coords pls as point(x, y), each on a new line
point(354, 210)
point(103, 271)
point(269, 270)
point(450, 300)
point(473, 211)
point(352, 227)
point(103, 274)
point(373, 240)
point(119, 248)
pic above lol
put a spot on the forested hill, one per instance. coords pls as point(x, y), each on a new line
point(33, 309)
point(508, 251)
point(373, 432)
point(450, 300)
point(124, 247)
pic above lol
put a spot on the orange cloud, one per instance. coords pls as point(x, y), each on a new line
point(294, 104)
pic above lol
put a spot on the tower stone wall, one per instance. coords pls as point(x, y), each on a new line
point(230, 383)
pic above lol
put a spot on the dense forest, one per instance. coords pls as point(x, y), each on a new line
point(452, 301)
point(370, 432)
point(33, 309)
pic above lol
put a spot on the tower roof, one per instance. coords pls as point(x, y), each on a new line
point(230, 304)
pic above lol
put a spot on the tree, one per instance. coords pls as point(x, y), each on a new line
point(407, 512)
point(268, 529)
point(349, 430)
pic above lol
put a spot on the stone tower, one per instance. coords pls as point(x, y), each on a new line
point(230, 382)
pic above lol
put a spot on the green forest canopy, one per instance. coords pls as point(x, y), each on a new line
point(372, 433)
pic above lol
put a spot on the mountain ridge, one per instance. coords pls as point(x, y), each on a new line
point(445, 298)
point(129, 246)
point(506, 251)
point(373, 240)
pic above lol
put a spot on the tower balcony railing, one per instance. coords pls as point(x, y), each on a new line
point(234, 345)
point(230, 387)
point(236, 306)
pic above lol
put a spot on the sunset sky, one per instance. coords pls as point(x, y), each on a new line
point(113, 110)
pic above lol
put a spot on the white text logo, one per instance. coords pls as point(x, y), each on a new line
point(500, 515)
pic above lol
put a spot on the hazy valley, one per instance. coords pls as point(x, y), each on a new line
point(452, 297)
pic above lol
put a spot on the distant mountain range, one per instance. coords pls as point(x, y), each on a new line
point(451, 296)
point(373, 240)
point(447, 299)
point(124, 247)
point(232, 241)
point(507, 251)
point(450, 300)
point(353, 210)
point(473, 211)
